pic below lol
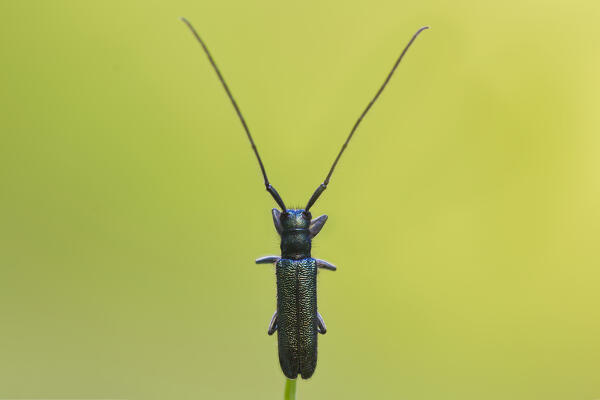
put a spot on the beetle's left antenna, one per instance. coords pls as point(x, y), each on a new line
point(268, 186)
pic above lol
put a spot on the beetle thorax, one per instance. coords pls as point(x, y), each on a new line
point(295, 235)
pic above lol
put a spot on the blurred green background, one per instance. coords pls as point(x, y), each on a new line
point(464, 218)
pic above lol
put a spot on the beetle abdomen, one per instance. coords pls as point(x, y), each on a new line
point(297, 316)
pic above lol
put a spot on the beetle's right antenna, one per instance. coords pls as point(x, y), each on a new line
point(270, 188)
point(323, 185)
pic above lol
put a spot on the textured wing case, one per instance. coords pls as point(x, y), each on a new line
point(297, 316)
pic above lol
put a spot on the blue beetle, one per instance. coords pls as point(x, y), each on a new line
point(297, 320)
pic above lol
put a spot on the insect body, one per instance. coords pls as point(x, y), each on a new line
point(297, 320)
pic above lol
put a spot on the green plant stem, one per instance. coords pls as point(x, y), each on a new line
point(290, 390)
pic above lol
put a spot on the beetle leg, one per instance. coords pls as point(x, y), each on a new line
point(277, 221)
point(316, 225)
point(272, 324)
point(325, 264)
point(267, 260)
point(321, 328)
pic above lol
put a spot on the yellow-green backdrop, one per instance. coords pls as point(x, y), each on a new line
point(463, 219)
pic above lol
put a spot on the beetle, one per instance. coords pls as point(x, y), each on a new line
point(297, 320)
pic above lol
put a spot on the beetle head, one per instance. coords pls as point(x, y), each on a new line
point(297, 220)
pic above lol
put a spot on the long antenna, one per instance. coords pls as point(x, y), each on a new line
point(323, 185)
point(268, 186)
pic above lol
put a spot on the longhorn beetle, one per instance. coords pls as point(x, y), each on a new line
point(296, 319)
